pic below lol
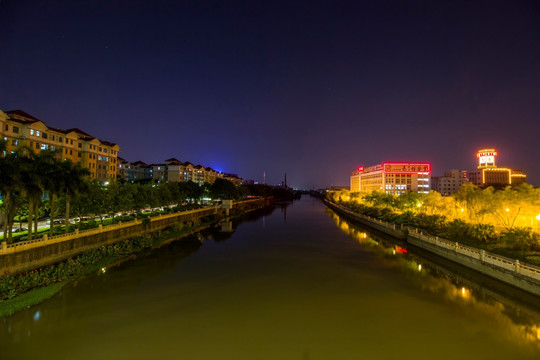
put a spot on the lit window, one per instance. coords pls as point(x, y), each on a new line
point(44, 146)
point(31, 131)
point(38, 133)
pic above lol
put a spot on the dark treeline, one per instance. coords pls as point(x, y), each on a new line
point(37, 185)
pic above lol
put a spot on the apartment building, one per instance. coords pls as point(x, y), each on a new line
point(449, 183)
point(394, 178)
point(174, 170)
point(137, 171)
point(98, 156)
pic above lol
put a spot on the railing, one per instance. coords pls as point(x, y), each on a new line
point(503, 262)
point(500, 261)
point(385, 224)
point(99, 229)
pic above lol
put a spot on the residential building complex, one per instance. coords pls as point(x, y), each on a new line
point(98, 156)
point(449, 183)
point(488, 173)
point(137, 171)
point(172, 170)
point(392, 177)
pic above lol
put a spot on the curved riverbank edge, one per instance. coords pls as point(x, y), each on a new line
point(104, 256)
point(520, 275)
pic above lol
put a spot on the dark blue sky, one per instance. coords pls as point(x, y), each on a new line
point(309, 88)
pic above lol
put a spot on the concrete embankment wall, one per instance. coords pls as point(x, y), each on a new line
point(509, 271)
point(32, 254)
point(509, 276)
point(389, 229)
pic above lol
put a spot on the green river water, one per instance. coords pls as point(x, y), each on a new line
point(294, 283)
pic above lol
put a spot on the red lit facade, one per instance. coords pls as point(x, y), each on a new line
point(394, 178)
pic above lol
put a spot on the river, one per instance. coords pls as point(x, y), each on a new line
point(295, 283)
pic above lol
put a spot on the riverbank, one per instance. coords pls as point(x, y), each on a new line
point(22, 290)
point(510, 271)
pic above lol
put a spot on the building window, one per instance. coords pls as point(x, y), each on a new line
point(44, 146)
point(15, 142)
point(71, 142)
point(7, 127)
point(44, 135)
point(80, 145)
point(16, 129)
point(31, 131)
point(37, 145)
point(38, 133)
point(60, 139)
point(79, 154)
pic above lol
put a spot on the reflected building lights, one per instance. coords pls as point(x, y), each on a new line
point(448, 287)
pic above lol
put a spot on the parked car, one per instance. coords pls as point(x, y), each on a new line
point(19, 230)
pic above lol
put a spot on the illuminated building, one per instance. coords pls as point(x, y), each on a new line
point(488, 173)
point(392, 177)
point(174, 170)
point(450, 182)
point(137, 171)
point(98, 156)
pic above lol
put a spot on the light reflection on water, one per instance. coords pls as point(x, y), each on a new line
point(522, 324)
point(289, 285)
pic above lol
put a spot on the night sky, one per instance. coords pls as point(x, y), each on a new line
point(310, 88)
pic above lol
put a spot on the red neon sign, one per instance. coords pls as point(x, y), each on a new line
point(406, 167)
point(360, 168)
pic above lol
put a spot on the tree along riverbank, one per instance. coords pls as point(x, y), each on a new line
point(490, 220)
point(22, 290)
point(510, 271)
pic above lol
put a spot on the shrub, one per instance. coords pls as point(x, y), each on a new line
point(520, 238)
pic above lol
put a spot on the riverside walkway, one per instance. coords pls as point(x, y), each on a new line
point(511, 271)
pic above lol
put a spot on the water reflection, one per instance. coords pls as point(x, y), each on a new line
point(522, 323)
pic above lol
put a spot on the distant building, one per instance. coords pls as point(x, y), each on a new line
point(98, 156)
point(392, 177)
point(173, 170)
point(137, 171)
point(449, 183)
point(488, 173)
point(231, 177)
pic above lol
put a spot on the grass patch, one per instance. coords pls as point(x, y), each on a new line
point(31, 298)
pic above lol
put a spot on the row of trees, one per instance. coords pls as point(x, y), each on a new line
point(26, 179)
point(25, 176)
point(510, 215)
point(517, 206)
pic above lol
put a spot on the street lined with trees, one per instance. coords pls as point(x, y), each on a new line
point(33, 185)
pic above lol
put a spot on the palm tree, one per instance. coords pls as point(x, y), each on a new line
point(52, 180)
point(30, 182)
point(74, 182)
point(9, 185)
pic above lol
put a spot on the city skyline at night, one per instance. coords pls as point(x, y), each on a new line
point(310, 90)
